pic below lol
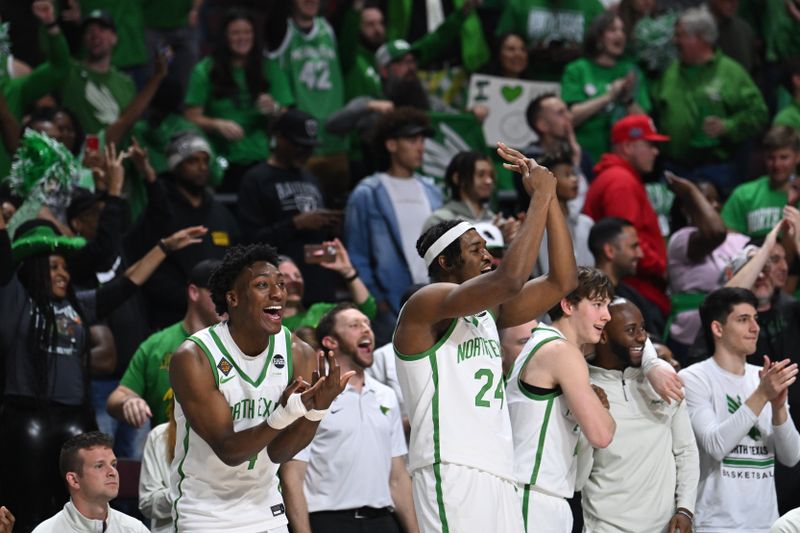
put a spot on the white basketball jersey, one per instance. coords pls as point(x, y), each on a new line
point(545, 433)
point(209, 495)
point(455, 396)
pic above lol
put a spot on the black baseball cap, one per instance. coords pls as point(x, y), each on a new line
point(98, 16)
point(297, 126)
point(200, 274)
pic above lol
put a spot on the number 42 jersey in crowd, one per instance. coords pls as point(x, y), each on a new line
point(456, 399)
point(208, 494)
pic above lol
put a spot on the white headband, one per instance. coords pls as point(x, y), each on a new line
point(445, 240)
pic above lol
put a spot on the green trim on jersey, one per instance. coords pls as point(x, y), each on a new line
point(538, 462)
point(210, 357)
point(437, 457)
point(491, 312)
point(244, 376)
point(753, 463)
point(430, 351)
point(522, 389)
point(289, 354)
point(181, 474)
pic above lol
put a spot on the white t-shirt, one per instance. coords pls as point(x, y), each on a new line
point(350, 458)
point(412, 209)
point(737, 450)
point(383, 369)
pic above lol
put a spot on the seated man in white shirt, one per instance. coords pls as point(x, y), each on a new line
point(352, 477)
point(740, 418)
point(88, 465)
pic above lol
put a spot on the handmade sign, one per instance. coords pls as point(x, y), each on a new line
point(507, 100)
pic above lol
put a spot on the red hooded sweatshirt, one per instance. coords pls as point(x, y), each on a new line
point(618, 191)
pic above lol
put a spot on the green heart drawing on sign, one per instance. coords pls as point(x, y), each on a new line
point(511, 93)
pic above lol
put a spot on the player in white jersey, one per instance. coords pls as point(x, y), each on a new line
point(241, 404)
point(551, 401)
point(449, 360)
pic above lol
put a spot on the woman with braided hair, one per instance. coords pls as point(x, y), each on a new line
point(46, 355)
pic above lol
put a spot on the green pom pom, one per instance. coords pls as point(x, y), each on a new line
point(43, 169)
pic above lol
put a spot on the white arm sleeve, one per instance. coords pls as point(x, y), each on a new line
point(787, 442)
point(714, 437)
point(687, 459)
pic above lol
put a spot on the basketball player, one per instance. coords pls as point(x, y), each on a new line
point(449, 361)
point(241, 404)
point(551, 401)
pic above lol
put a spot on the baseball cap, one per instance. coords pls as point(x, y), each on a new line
point(491, 234)
point(182, 145)
point(635, 128)
point(201, 272)
point(297, 126)
point(100, 16)
point(392, 51)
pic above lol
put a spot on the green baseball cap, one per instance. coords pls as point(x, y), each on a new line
point(392, 51)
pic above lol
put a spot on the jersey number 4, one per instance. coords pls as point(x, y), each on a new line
point(316, 75)
point(486, 376)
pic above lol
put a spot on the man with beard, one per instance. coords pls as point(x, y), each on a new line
point(653, 458)
point(180, 198)
point(549, 395)
point(242, 405)
point(354, 471)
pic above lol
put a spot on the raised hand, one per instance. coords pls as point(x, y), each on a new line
point(115, 172)
point(682, 187)
point(331, 378)
point(535, 177)
point(776, 378)
point(45, 11)
point(185, 237)
point(341, 262)
point(141, 161)
point(229, 129)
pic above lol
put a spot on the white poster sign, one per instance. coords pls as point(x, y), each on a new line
point(507, 100)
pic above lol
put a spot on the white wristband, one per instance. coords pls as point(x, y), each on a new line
point(315, 415)
point(283, 416)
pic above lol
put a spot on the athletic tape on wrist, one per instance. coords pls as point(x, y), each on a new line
point(283, 416)
point(315, 415)
point(444, 241)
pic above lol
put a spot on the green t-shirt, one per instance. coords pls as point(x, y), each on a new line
point(166, 14)
point(753, 208)
point(544, 22)
point(254, 146)
point(21, 93)
point(779, 30)
point(127, 14)
point(96, 98)
point(686, 95)
point(148, 372)
point(311, 63)
point(789, 116)
point(584, 79)
point(311, 316)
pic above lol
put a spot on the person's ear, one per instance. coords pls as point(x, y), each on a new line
point(603, 337)
point(608, 251)
point(566, 307)
point(329, 343)
point(391, 145)
point(232, 299)
point(716, 329)
point(73, 481)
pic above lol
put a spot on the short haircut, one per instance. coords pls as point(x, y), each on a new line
point(700, 22)
point(605, 231)
point(534, 109)
point(452, 253)
point(562, 156)
point(594, 33)
point(592, 283)
point(327, 324)
point(718, 305)
point(236, 259)
point(780, 137)
point(389, 124)
point(70, 461)
point(463, 164)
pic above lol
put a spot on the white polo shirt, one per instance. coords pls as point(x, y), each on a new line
point(349, 460)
